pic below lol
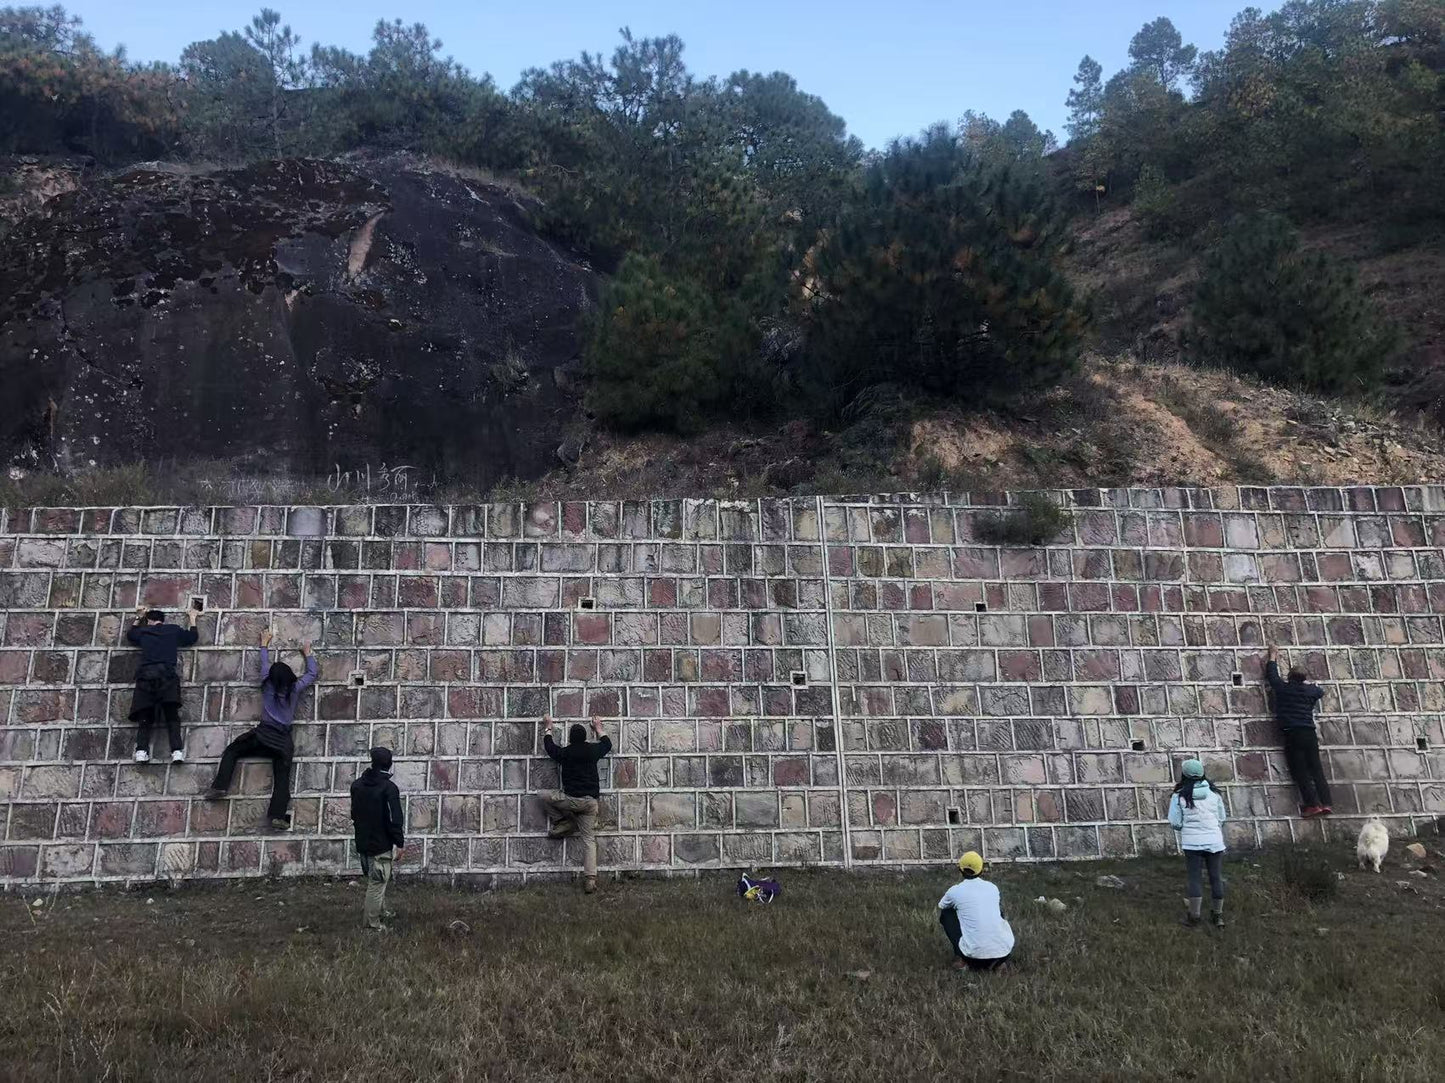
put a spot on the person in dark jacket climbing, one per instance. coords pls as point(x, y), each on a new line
point(377, 818)
point(1295, 700)
point(280, 693)
point(573, 808)
point(157, 683)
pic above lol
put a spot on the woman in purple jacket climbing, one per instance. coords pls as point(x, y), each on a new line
point(280, 692)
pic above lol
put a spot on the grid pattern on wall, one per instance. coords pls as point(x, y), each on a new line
point(851, 681)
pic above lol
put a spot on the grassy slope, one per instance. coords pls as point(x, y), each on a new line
point(843, 978)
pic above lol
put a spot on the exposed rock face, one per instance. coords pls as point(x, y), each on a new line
point(297, 316)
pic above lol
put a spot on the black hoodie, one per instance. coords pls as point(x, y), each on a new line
point(578, 764)
point(1294, 701)
point(376, 812)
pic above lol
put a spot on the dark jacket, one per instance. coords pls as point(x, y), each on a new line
point(1294, 703)
point(376, 812)
point(161, 642)
point(578, 765)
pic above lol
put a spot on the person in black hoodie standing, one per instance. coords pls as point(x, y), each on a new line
point(573, 808)
point(1294, 708)
point(380, 838)
point(157, 684)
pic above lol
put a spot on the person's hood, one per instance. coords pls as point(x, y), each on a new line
point(1202, 790)
point(372, 777)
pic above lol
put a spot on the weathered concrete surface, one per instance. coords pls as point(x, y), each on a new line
point(920, 726)
point(297, 316)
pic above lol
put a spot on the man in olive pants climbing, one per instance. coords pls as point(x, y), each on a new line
point(573, 808)
point(376, 815)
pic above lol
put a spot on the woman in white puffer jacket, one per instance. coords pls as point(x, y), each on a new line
point(1197, 813)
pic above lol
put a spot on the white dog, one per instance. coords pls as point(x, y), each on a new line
point(1373, 844)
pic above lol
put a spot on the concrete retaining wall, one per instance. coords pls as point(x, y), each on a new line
point(814, 681)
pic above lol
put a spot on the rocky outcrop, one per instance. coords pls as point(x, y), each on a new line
point(300, 317)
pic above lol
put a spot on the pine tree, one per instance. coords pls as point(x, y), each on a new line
point(659, 350)
point(1086, 100)
point(277, 46)
point(1289, 317)
point(940, 279)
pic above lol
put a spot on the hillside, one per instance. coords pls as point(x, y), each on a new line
point(1116, 423)
point(1141, 291)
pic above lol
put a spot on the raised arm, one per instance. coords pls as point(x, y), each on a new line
point(313, 670)
point(549, 746)
point(1271, 673)
point(189, 634)
point(265, 653)
point(604, 743)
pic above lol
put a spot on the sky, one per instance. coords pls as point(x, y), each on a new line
point(887, 68)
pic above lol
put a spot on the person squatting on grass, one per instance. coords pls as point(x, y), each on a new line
point(973, 921)
point(380, 839)
point(1196, 812)
point(157, 684)
point(1294, 708)
point(280, 692)
point(573, 807)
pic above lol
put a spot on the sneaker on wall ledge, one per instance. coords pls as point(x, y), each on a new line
point(178, 756)
point(142, 756)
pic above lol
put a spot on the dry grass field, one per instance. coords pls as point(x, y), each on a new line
point(1316, 978)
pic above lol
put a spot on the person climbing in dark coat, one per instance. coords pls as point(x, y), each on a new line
point(157, 682)
point(1295, 701)
point(280, 693)
point(573, 807)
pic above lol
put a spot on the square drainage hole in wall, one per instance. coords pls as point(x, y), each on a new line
point(588, 602)
point(1137, 744)
point(954, 817)
point(1422, 743)
point(980, 607)
point(799, 678)
point(358, 678)
point(198, 602)
point(1237, 679)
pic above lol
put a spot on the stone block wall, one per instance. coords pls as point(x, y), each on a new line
point(855, 681)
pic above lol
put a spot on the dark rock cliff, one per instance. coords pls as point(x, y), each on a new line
point(296, 317)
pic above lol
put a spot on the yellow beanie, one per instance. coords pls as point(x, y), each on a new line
point(971, 862)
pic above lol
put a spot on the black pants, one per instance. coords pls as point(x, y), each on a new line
point(1302, 753)
point(250, 743)
point(1195, 861)
point(949, 920)
point(147, 720)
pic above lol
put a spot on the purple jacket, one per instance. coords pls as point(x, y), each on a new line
point(280, 712)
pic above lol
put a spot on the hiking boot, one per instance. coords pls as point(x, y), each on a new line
point(142, 756)
point(561, 829)
point(590, 887)
point(1189, 921)
point(215, 793)
point(280, 823)
point(1217, 918)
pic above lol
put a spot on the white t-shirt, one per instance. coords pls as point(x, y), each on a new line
point(984, 932)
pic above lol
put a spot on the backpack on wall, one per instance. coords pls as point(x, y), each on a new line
point(758, 889)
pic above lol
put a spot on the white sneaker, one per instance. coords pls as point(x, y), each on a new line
point(142, 756)
point(178, 756)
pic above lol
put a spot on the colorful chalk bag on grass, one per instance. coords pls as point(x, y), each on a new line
point(759, 889)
